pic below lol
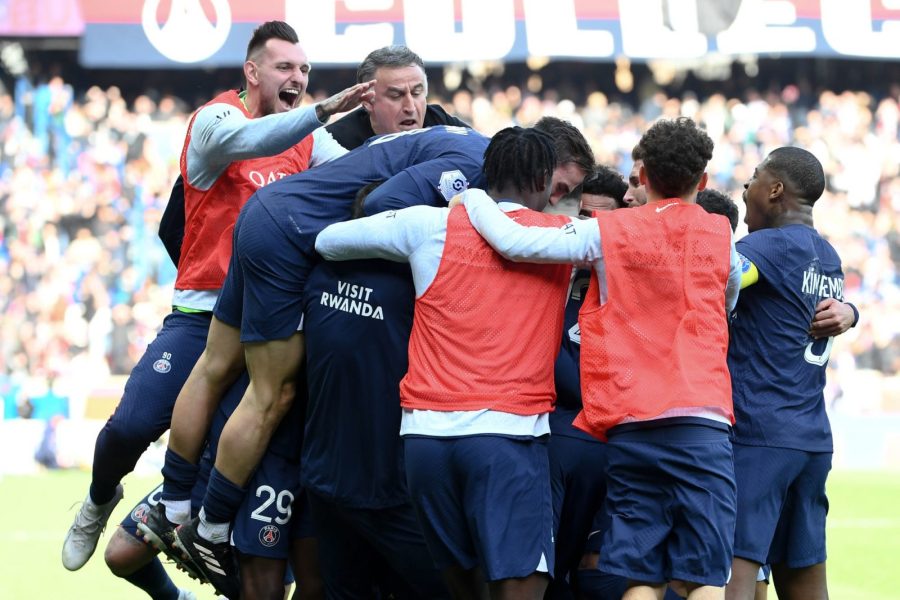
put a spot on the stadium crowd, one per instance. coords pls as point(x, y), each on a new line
point(84, 177)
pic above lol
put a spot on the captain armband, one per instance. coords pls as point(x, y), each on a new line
point(749, 272)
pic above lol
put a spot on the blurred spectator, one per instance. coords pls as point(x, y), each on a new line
point(84, 177)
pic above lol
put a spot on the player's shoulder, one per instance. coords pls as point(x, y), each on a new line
point(436, 115)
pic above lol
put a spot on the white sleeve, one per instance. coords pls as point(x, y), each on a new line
point(325, 148)
point(221, 134)
point(575, 242)
point(734, 279)
point(392, 235)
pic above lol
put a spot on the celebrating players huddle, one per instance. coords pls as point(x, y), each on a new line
point(461, 395)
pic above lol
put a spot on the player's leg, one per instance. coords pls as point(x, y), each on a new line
point(345, 557)
point(309, 584)
point(742, 585)
point(671, 522)
point(262, 578)
point(633, 541)
point(142, 415)
point(219, 366)
point(699, 461)
point(394, 534)
point(494, 491)
point(435, 486)
point(193, 414)
point(244, 439)
point(273, 367)
point(762, 495)
point(271, 519)
point(798, 550)
point(532, 586)
point(705, 592)
point(137, 563)
point(578, 481)
point(794, 584)
point(591, 582)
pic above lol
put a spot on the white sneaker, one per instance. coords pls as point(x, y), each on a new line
point(81, 541)
point(186, 595)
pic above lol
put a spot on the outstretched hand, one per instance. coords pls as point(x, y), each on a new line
point(832, 317)
point(347, 99)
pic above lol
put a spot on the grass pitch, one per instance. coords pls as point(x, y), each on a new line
point(36, 511)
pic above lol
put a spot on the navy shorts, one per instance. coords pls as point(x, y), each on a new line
point(671, 502)
point(781, 505)
point(600, 523)
point(483, 501)
point(364, 547)
point(578, 482)
point(274, 512)
point(263, 290)
point(145, 410)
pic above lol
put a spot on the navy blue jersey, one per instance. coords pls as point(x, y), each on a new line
point(429, 164)
point(358, 316)
point(567, 374)
point(777, 369)
point(357, 320)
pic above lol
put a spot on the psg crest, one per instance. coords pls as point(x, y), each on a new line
point(269, 536)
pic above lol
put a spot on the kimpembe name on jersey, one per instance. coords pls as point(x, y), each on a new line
point(823, 286)
point(354, 299)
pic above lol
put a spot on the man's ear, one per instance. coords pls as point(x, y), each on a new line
point(642, 176)
point(704, 180)
point(251, 72)
point(776, 191)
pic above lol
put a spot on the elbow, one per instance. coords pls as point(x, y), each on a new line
point(511, 253)
point(322, 247)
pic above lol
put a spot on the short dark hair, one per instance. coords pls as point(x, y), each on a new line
point(717, 203)
point(637, 153)
point(519, 157)
point(270, 30)
point(357, 209)
point(799, 170)
point(603, 181)
point(571, 146)
point(675, 156)
point(392, 57)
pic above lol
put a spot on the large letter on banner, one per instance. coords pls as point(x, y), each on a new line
point(761, 26)
point(316, 25)
point(847, 27)
point(487, 29)
point(645, 35)
point(552, 30)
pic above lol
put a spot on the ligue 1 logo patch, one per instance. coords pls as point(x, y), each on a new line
point(453, 183)
point(162, 366)
point(269, 535)
point(140, 511)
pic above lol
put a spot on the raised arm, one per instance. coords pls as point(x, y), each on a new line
point(392, 235)
point(222, 134)
point(576, 242)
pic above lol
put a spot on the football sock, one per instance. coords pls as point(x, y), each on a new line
point(179, 477)
point(153, 579)
point(221, 504)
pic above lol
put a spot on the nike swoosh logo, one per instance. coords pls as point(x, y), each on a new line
point(659, 209)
